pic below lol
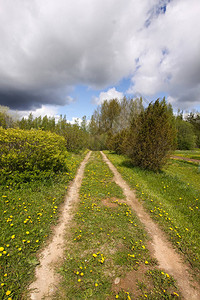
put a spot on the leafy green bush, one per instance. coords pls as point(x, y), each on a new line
point(194, 119)
point(29, 154)
point(6, 120)
point(98, 142)
point(186, 138)
point(76, 136)
point(76, 139)
point(116, 141)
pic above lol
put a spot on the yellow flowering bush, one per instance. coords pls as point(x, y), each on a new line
point(27, 154)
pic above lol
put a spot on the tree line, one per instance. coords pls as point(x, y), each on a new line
point(146, 135)
point(75, 135)
point(115, 117)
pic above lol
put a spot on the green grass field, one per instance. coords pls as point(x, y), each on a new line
point(26, 216)
point(106, 242)
point(173, 199)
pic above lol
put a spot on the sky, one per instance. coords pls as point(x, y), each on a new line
point(68, 56)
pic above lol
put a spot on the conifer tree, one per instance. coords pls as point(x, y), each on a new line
point(154, 135)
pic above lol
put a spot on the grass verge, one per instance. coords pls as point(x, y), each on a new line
point(26, 214)
point(173, 199)
point(107, 256)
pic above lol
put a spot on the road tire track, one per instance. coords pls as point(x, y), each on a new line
point(46, 279)
point(160, 248)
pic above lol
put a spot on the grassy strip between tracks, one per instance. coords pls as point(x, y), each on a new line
point(26, 214)
point(107, 256)
point(173, 199)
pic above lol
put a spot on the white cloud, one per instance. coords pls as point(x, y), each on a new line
point(75, 121)
point(47, 47)
point(70, 99)
point(110, 94)
point(45, 110)
point(170, 61)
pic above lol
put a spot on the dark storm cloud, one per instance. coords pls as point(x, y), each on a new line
point(49, 46)
point(31, 100)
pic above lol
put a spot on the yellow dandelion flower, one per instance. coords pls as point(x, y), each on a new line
point(8, 293)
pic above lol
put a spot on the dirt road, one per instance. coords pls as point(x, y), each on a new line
point(185, 158)
point(46, 279)
point(168, 259)
point(160, 247)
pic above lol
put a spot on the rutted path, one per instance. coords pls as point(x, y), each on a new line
point(160, 248)
point(185, 158)
point(46, 279)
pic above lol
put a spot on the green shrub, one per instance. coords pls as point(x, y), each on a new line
point(6, 120)
point(115, 143)
point(194, 119)
point(153, 136)
point(186, 138)
point(29, 154)
point(97, 142)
